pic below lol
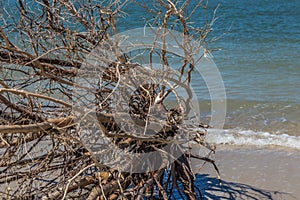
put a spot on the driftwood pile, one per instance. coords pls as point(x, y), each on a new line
point(70, 131)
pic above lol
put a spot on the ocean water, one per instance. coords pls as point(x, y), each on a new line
point(260, 66)
point(260, 57)
point(259, 60)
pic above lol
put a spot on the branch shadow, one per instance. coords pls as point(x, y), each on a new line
point(211, 189)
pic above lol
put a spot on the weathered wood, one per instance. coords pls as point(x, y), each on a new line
point(41, 145)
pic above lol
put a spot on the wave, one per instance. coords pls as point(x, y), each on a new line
point(271, 117)
point(252, 138)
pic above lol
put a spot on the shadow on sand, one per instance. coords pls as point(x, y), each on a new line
point(211, 189)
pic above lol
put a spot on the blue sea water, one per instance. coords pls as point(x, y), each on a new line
point(260, 59)
point(260, 63)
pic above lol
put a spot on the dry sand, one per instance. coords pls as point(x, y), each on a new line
point(252, 174)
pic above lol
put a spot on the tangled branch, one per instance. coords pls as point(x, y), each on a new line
point(44, 47)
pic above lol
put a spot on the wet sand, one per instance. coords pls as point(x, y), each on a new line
point(251, 174)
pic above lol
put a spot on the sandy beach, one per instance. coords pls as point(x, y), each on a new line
point(251, 174)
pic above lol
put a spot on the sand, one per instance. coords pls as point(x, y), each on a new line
point(248, 173)
point(252, 174)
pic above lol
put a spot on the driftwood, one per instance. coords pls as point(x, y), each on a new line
point(43, 48)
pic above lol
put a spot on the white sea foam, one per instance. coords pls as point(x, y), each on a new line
point(249, 137)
